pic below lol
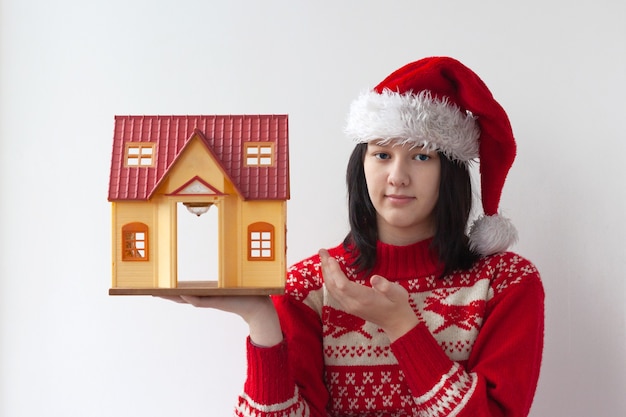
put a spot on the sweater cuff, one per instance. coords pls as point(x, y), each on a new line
point(421, 358)
point(269, 379)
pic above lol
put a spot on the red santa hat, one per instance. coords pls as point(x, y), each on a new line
point(441, 104)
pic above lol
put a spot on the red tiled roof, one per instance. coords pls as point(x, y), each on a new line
point(224, 136)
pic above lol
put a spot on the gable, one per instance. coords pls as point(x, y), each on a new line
point(225, 137)
point(196, 186)
point(195, 160)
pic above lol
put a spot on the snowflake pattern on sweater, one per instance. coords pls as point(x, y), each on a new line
point(456, 363)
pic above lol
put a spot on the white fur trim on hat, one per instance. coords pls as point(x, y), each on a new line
point(492, 234)
point(414, 118)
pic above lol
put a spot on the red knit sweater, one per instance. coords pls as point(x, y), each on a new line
point(476, 353)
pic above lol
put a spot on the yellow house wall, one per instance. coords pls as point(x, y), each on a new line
point(230, 241)
point(166, 250)
point(133, 274)
point(264, 273)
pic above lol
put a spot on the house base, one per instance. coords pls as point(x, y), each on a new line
point(198, 288)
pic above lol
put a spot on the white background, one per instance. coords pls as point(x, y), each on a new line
point(68, 66)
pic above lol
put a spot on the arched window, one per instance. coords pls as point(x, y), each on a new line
point(135, 242)
point(260, 242)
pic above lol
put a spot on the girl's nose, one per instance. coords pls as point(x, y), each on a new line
point(398, 174)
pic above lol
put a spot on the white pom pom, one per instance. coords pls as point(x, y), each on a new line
point(492, 234)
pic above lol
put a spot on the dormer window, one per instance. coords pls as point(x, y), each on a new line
point(139, 155)
point(259, 154)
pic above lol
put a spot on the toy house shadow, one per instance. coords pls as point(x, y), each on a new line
point(163, 168)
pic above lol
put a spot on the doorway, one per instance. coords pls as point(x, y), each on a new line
point(197, 245)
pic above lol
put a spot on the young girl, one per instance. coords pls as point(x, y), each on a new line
point(408, 316)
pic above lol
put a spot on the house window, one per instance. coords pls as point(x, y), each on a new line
point(260, 242)
point(135, 242)
point(259, 154)
point(139, 154)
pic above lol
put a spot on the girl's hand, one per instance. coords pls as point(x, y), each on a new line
point(257, 311)
point(385, 304)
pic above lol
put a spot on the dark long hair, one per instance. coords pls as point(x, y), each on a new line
point(451, 215)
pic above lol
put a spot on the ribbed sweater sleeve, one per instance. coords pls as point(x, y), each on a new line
point(269, 380)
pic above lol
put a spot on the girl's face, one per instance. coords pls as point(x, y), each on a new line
point(403, 184)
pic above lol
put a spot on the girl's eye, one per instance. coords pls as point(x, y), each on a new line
point(382, 155)
point(422, 157)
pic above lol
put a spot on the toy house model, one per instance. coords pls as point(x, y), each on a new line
point(236, 165)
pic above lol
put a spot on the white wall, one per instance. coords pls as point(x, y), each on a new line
point(68, 66)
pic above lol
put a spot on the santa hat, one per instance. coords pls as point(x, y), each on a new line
point(441, 104)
